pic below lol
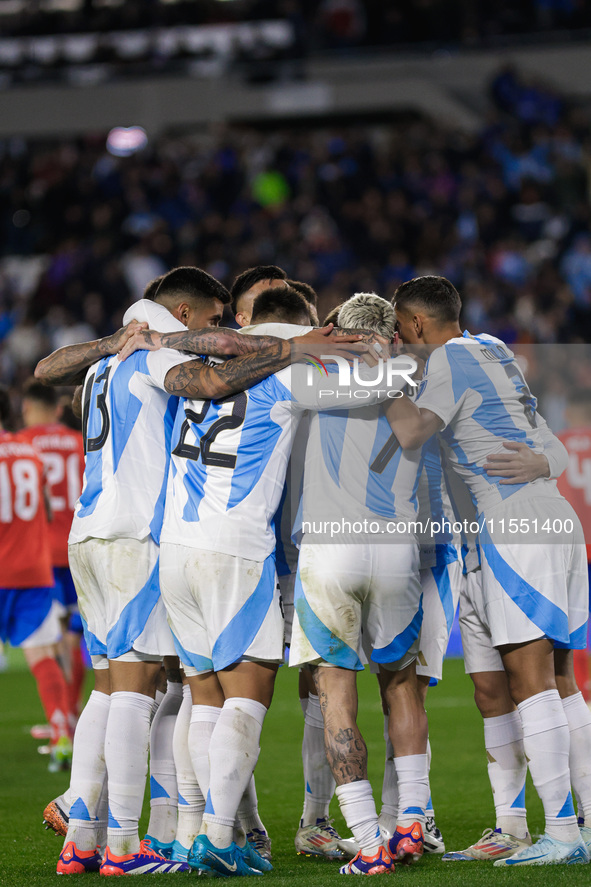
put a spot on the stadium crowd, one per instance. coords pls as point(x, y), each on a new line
point(503, 214)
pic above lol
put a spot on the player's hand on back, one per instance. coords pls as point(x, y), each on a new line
point(141, 339)
point(519, 466)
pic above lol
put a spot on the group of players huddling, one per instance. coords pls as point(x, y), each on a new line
point(208, 452)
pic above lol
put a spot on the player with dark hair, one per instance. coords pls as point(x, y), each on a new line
point(532, 609)
point(28, 616)
point(62, 452)
point(281, 305)
point(249, 284)
point(309, 294)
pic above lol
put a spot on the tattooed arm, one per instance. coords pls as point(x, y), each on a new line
point(68, 365)
point(197, 380)
point(216, 341)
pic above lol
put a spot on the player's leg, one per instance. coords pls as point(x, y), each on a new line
point(332, 581)
point(578, 718)
point(503, 733)
point(163, 783)
point(137, 638)
point(226, 617)
point(316, 835)
point(191, 802)
point(87, 813)
point(36, 629)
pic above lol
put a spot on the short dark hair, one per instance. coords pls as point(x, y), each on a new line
point(307, 291)
point(333, 315)
point(254, 275)
point(45, 394)
point(437, 296)
point(281, 304)
point(5, 405)
point(150, 290)
point(191, 283)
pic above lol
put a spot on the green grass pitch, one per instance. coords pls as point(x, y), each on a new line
point(459, 783)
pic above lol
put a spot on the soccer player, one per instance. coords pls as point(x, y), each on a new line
point(62, 452)
point(28, 617)
point(534, 605)
point(316, 835)
point(218, 581)
point(249, 284)
point(575, 485)
point(356, 473)
point(127, 418)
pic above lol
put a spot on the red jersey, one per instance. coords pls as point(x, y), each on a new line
point(62, 451)
point(25, 553)
point(575, 482)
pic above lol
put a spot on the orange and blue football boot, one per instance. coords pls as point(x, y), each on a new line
point(145, 862)
point(74, 862)
point(379, 864)
point(406, 844)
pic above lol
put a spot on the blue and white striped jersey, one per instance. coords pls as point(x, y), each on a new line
point(127, 424)
point(436, 514)
point(356, 471)
point(476, 387)
point(230, 457)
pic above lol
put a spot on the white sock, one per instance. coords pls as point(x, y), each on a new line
point(359, 812)
point(412, 772)
point(389, 811)
point(248, 809)
point(507, 769)
point(233, 753)
point(88, 771)
point(546, 743)
point(163, 787)
point(190, 797)
point(126, 757)
point(318, 778)
point(578, 717)
point(203, 721)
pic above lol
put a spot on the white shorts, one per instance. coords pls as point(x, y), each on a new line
point(441, 591)
point(346, 594)
point(287, 589)
point(49, 632)
point(479, 652)
point(119, 597)
point(222, 609)
point(538, 589)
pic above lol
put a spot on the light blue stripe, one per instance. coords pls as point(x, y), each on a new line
point(157, 790)
point(112, 822)
point(209, 805)
point(441, 576)
point(396, 649)
point(333, 429)
point(93, 470)
point(328, 646)
point(547, 616)
point(134, 616)
point(380, 492)
point(182, 801)
point(169, 420)
point(240, 632)
point(258, 438)
point(95, 647)
point(125, 406)
point(519, 801)
point(79, 810)
point(413, 811)
point(201, 663)
point(577, 639)
point(567, 809)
